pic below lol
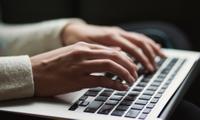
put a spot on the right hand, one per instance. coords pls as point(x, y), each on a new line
point(69, 69)
point(137, 45)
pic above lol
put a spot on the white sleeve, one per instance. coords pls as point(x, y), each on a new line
point(32, 39)
point(16, 80)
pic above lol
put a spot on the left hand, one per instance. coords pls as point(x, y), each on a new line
point(141, 47)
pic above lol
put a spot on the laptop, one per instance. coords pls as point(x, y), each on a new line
point(153, 96)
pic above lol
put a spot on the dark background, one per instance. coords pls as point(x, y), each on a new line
point(182, 13)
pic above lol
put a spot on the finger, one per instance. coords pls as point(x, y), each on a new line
point(143, 43)
point(101, 81)
point(116, 56)
point(157, 49)
point(97, 46)
point(133, 50)
point(148, 51)
point(106, 65)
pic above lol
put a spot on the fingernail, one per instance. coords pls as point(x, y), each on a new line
point(131, 81)
point(154, 65)
point(164, 55)
point(136, 75)
point(125, 87)
point(151, 68)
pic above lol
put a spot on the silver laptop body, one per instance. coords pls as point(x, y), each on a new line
point(146, 99)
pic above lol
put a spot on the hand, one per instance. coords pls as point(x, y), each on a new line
point(69, 69)
point(137, 45)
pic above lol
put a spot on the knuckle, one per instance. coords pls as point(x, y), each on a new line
point(108, 63)
point(81, 43)
point(126, 74)
point(142, 35)
point(134, 67)
point(141, 42)
point(144, 58)
point(110, 35)
point(77, 52)
point(116, 28)
point(115, 55)
point(158, 46)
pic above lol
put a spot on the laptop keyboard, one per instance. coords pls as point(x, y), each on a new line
point(138, 101)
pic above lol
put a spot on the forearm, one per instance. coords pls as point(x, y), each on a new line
point(32, 39)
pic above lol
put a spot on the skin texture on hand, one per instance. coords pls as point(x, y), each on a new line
point(139, 46)
point(69, 69)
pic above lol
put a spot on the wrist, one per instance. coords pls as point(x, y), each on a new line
point(67, 33)
point(35, 75)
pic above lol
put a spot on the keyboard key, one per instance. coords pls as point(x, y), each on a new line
point(152, 88)
point(157, 84)
point(132, 113)
point(174, 60)
point(158, 80)
point(126, 102)
point(148, 92)
point(101, 98)
point(85, 103)
point(121, 93)
point(161, 76)
point(161, 91)
point(122, 107)
point(97, 89)
point(92, 108)
point(137, 107)
point(151, 105)
point(145, 80)
point(133, 93)
point(75, 105)
point(161, 61)
point(83, 98)
point(165, 71)
point(105, 109)
point(145, 97)
point(147, 110)
point(105, 93)
point(148, 75)
point(130, 98)
point(137, 88)
point(154, 100)
point(117, 113)
point(91, 93)
point(158, 95)
point(112, 102)
point(143, 116)
point(141, 102)
point(142, 84)
point(168, 82)
point(116, 97)
point(108, 90)
point(165, 86)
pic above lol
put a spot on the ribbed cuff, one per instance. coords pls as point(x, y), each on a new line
point(16, 79)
